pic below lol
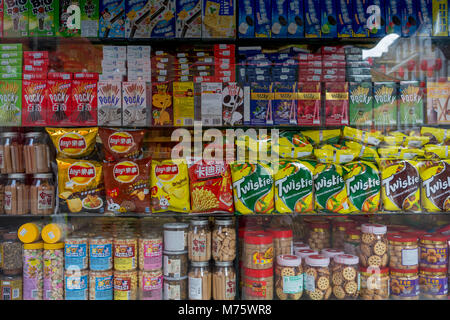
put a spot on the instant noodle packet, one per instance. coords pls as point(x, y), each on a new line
point(293, 145)
point(435, 189)
point(436, 152)
point(335, 153)
point(80, 186)
point(437, 135)
point(121, 144)
point(252, 188)
point(363, 152)
point(373, 138)
point(73, 142)
point(396, 153)
point(317, 137)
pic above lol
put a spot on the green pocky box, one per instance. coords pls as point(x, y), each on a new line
point(385, 103)
point(411, 103)
point(41, 17)
point(15, 18)
point(10, 102)
point(89, 18)
point(361, 103)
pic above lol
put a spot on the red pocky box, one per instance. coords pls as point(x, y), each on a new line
point(84, 103)
point(309, 103)
point(59, 98)
point(34, 103)
point(336, 103)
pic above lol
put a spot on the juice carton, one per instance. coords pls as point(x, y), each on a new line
point(284, 103)
point(34, 103)
point(89, 18)
point(162, 105)
point(263, 17)
point(411, 103)
point(279, 18)
point(336, 103)
point(344, 18)
point(62, 16)
point(309, 103)
point(232, 104)
point(261, 97)
point(135, 96)
point(84, 103)
point(385, 103)
point(189, 19)
point(312, 19)
point(15, 18)
point(109, 105)
point(247, 18)
point(112, 19)
point(360, 29)
point(296, 19)
point(10, 102)
point(440, 18)
point(375, 17)
point(409, 18)
point(42, 15)
point(59, 99)
point(394, 17)
point(219, 19)
point(138, 19)
point(183, 103)
point(328, 19)
point(438, 102)
point(361, 104)
point(211, 103)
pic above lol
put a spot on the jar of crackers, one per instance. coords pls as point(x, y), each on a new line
point(175, 236)
point(289, 277)
point(199, 241)
point(150, 285)
point(338, 232)
point(345, 277)
point(101, 285)
point(352, 241)
point(125, 285)
point(404, 284)
point(317, 277)
point(224, 281)
point(331, 253)
point(374, 283)
point(433, 283)
point(282, 241)
point(42, 194)
point(303, 253)
point(175, 288)
point(150, 251)
point(433, 251)
point(258, 250)
point(374, 246)
point(403, 252)
point(257, 284)
point(223, 240)
point(199, 281)
point(319, 235)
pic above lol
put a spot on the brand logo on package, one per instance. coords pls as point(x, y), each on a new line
point(121, 142)
point(126, 171)
point(72, 143)
point(81, 173)
point(169, 170)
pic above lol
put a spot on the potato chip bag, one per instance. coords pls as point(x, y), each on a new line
point(363, 186)
point(252, 188)
point(435, 193)
point(363, 151)
point(294, 186)
point(433, 151)
point(330, 189)
point(436, 135)
point(170, 186)
point(121, 144)
point(294, 145)
point(373, 138)
point(80, 186)
point(400, 185)
point(335, 153)
point(401, 153)
point(317, 137)
point(73, 143)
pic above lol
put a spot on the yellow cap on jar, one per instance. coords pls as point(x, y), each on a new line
point(33, 246)
point(29, 232)
point(53, 246)
point(52, 233)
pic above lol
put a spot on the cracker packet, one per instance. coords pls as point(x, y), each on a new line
point(435, 190)
point(73, 143)
point(373, 138)
point(294, 145)
point(317, 137)
point(437, 135)
point(335, 153)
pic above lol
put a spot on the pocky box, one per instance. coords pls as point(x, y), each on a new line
point(409, 18)
point(361, 103)
point(284, 103)
point(375, 17)
point(261, 97)
point(112, 19)
point(385, 103)
point(279, 18)
point(109, 105)
point(34, 103)
point(162, 20)
point(359, 20)
point(211, 103)
point(411, 103)
point(137, 24)
point(424, 17)
point(246, 28)
point(89, 18)
point(232, 104)
point(59, 99)
point(189, 19)
point(336, 103)
point(162, 105)
point(328, 19)
point(183, 103)
point(10, 102)
point(135, 96)
point(219, 19)
point(84, 103)
point(263, 17)
point(440, 18)
point(309, 103)
point(312, 19)
point(42, 16)
point(15, 18)
point(344, 18)
point(394, 17)
point(438, 102)
point(296, 19)
point(62, 17)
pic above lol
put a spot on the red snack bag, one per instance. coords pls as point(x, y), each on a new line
point(84, 103)
point(210, 186)
point(59, 93)
point(34, 103)
point(121, 144)
point(309, 103)
point(336, 103)
point(127, 185)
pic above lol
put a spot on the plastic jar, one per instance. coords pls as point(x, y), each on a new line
point(175, 288)
point(76, 284)
point(125, 285)
point(56, 232)
point(404, 284)
point(11, 153)
point(12, 251)
point(175, 236)
point(42, 194)
point(317, 277)
point(224, 281)
point(374, 246)
point(338, 232)
point(36, 153)
point(200, 281)
point(433, 251)
point(175, 264)
point(433, 283)
point(331, 253)
point(76, 252)
point(101, 253)
point(11, 288)
point(319, 235)
point(199, 241)
point(150, 285)
point(30, 232)
point(33, 277)
point(17, 195)
point(352, 242)
point(101, 285)
point(150, 251)
point(282, 241)
point(53, 271)
point(257, 284)
point(2, 193)
point(125, 251)
point(258, 250)
point(223, 240)
point(300, 245)
point(403, 252)
point(374, 283)
point(289, 277)
point(345, 278)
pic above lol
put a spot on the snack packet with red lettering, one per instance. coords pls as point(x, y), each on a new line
point(121, 144)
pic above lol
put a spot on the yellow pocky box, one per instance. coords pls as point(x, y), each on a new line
point(435, 190)
point(73, 143)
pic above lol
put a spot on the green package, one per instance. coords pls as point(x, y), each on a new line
point(411, 103)
point(11, 47)
point(10, 102)
point(41, 18)
point(61, 19)
point(11, 54)
point(385, 103)
point(10, 62)
point(361, 103)
point(10, 69)
point(11, 76)
point(15, 19)
point(89, 18)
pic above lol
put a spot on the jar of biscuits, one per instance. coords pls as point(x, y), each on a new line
point(345, 277)
point(433, 283)
point(76, 252)
point(289, 277)
point(352, 241)
point(101, 285)
point(224, 240)
point(374, 283)
point(17, 195)
point(125, 285)
point(175, 288)
point(303, 253)
point(175, 236)
point(338, 232)
point(403, 252)
point(150, 251)
point(36, 153)
point(150, 285)
point(258, 250)
point(33, 271)
point(199, 281)
point(199, 241)
point(319, 235)
point(257, 284)
point(282, 241)
point(331, 253)
point(224, 281)
point(404, 284)
point(42, 194)
point(433, 251)
point(76, 285)
point(11, 153)
point(374, 246)
point(175, 264)
point(317, 277)
point(300, 245)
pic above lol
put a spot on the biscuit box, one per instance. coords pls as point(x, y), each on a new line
point(135, 95)
point(10, 102)
point(309, 103)
point(284, 103)
point(112, 19)
point(138, 18)
point(440, 18)
point(61, 17)
point(232, 104)
point(263, 18)
point(376, 29)
point(41, 18)
point(409, 18)
point(312, 19)
point(59, 99)
point(109, 95)
point(84, 103)
point(394, 17)
point(411, 103)
point(189, 19)
point(344, 18)
point(219, 19)
point(211, 103)
point(296, 19)
point(438, 102)
point(360, 29)
point(247, 18)
point(328, 19)
point(15, 18)
point(279, 18)
point(34, 103)
point(385, 103)
point(183, 103)
point(89, 18)
point(261, 97)
point(361, 104)
point(425, 18)
point(336, 103)
point(162, 21)
point(162, 105)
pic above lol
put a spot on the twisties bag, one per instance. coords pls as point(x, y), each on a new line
point(435, 177)
point(436, 135)
point(294, 145)
point(73, 143)
point(433, 151)
point(335, 153)
point(317, 137)
point(373, 138)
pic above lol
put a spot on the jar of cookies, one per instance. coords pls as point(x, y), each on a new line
point(224, 281)
point(319, 235)
point(199, 241)
point(42, 194)
point(282, 241)
point(257, 284)
point(199, 281)
point(338, 232)
point(125, 285)
point(125, 250)
point(345, 277)
point(175, 288)
point(317, 277)
point(175, 264)
point(300, 245)
point(303, 253)
point(150, 285)
point(403, 252)
point(404, 284)
point(331, 253)
point(36, 153)
point(374, 283)
point(374, 246)
point(258, 250)
point(223, 240)
point(289, 277)
point(433, 251)
point(175, 236)
point(433, 283)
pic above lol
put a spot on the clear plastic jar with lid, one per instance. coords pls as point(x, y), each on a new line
point(433, 283)
point(199, 281)
point(282, 241)
point(11, 153)
point(317, 277)
point(374, 246)
point(42, 194)
point(12, 254)
point(176, 236)
point(2, 192)
point(352, 242)
point(101, 252)
point(199, 241)
point(345, 277)
point(17, 195)
point(33, 271)
point(53, 271)
point(175, 264)
point(150, 251)
point(101, 285)
point(150, 285)
point(175, 288)
point(36, 153)
point(338, 232)
point(76, 284)
point(303, 253)
point(403, 252)
point(76, 252)
point(433, 251)
point(257, 284)
point(125, 285)
point(300, 245)
point(224, 281)
point(319, 235)
point(11, 287)
point(223, 240)
point(258, 250)
point(331, 253)
point(289, 277)
point(404, 284)
point(125, 252)
point(374, 283)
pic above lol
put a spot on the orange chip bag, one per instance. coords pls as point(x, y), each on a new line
point(73, 143)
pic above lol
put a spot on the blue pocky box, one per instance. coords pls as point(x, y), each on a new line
point(112, 19)
point(189, 18)
point(279, 18)
point(344, 18)
point(296, 19)
point(360, 29)
point(137, 23)
point(263, 15)
point(424, 17)
point(261, 97)
point(312, 19)
point(394, 17)
point(409, 18)
point(162, 20)
point(328, 19)
point(375, 17)
point(284, 103)
point(246, 28)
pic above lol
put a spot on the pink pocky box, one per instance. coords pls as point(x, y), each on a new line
point(135, 95)
point(34, 103)
point(109, 95)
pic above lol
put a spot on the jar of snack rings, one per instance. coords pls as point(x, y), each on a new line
point(150, 285)
point(175, 236)
point(199, 281)
point(175, 288)
point(11, 249)
point(125, 285)
point(125, 252)
point(101, 285)
point(76, 252)
point(433, 283)
point(317, 277)
point(433, 251)
point(223, 240)
point(42, 194)
point(404, 284)
point(258, 250)
point(345, 278)
point(33, 273)
point(352, 242)
point(403, 252)
point(331, 253)
point(175, 264)
point(76, 284)
point(282, 241)
point(338, 232)
point(54, 271)
point(289, 277)
point(17, 195)
point(199, 241)
point(319, 235)
point(374, 283)
point(374, 246)
point(11, 287)
point(11, 152)
point(224, 281)
point(101, 252)
point(150, 251)
point(257, 284)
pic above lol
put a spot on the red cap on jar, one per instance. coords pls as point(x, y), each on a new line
point(317, 260)
point(289, 260)
point(330, 253)
point(258, 238)
point(374, 270)
point(441, 270)
point(402, 238)
point(433, 237)
point(258, 273)
point(416, 270)
point(347, 259)
point(281, 233)
point(416, 233)
point(305, 252)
